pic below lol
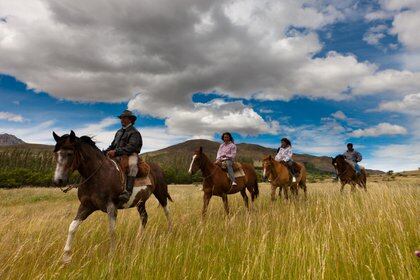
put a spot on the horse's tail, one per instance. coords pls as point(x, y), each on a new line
point(161, 188)
point(255, 188)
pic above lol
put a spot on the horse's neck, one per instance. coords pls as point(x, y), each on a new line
point(277, 168)
point(208, 167)
point(90, 160)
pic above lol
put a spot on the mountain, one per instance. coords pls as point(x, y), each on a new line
point(181, 154)
point(9, 140)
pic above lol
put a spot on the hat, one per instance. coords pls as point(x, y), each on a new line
point(128, 114)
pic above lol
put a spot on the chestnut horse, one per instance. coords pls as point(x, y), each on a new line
point(216, 181)
point(279, 177)
point(102, 184)
point(348, 175)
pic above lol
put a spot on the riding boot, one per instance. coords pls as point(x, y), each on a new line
point(125, 196)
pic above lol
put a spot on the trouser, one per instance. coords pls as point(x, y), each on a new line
point(291, 165)
point(133, 169)
point(229, 165)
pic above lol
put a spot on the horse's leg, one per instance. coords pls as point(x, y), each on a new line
point(353, 187)
point(225, 203)
point(273, 192)
point(141, 208)
point(245, 197)
point(286, 192)
point(168, 217)
point(82, 213)
point(112, 218)
point(303, 186)
point(206, 200)
point(280, 190)
point(342, 188)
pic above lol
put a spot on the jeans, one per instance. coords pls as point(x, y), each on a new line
point(357, 168)
point(291, 167)
point(229, 164)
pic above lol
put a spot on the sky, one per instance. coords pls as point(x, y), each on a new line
point(322, 73)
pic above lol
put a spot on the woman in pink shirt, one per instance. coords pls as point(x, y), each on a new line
point(227, 153)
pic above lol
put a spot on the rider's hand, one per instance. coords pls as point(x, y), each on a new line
point(111, 153)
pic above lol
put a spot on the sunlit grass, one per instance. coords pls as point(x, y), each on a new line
point(329, 236)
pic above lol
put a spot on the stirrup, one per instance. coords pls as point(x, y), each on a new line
point(234, 184)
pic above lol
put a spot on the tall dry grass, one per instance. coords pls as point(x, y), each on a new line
point(329, 236)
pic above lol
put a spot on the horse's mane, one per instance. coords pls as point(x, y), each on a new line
point(88, 140)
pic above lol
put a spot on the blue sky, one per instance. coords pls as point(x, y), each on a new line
point(321, 74)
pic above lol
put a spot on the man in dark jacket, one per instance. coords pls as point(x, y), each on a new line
point(353, 157)
point(127, 141)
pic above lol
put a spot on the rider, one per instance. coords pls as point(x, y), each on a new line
point(127, 141)
point(227, 153)
point(284, 153)
point(353, 157)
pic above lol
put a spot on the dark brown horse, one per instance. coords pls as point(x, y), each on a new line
point(348, 175)
point(216, 181)
point(102, 184)
point(279, 177)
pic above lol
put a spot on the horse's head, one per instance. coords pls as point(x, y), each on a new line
point(267, 165)
point(65, 153)
point(338, 162)
point(197, 161)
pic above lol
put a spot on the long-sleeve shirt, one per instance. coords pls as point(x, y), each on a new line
point(284, 154)
point(353, 156)
point(226, 151)
point(127, 141)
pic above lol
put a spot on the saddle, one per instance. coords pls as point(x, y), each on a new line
point(236, 166)
point(296, 167)
point(144, 168)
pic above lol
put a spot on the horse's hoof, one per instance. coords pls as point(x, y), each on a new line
point(66, 258)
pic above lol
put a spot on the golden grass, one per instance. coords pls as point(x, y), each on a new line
point(329, 236)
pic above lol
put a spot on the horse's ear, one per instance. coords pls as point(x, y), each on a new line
point(56, 137)
point(72, 136)
point(200, 149)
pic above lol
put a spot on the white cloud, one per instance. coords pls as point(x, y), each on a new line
point(380, 129)
point(397, 157)
point(206, 119)
point(375, 34)
point(401, 82)
point(410, 104)
point(339, 115)
point(11, 117)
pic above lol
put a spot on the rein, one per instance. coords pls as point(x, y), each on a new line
point(72, 186)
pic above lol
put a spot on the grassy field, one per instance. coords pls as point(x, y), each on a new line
point(329, 236)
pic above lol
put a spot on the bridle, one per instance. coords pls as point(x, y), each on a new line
point(75, 165)
point(271, 172)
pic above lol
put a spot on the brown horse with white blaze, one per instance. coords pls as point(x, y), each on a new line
point(102, 184)
point(279, 177)
point(216, 181)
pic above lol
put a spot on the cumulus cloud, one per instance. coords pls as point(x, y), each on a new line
point(158, 54)
point(11, 117)
point(410, 104)
point(339, 115)
point(205, 119)
point(380, 129)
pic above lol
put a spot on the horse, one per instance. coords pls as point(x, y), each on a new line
point(216, 181)
point(102, 183)
point(279, 177)
point(348, 175)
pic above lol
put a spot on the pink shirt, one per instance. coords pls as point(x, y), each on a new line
point(226, 151)
point(284, 154)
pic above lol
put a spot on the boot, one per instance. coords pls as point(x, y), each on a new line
point(125, 196)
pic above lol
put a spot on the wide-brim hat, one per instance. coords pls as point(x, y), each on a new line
point(128, 114)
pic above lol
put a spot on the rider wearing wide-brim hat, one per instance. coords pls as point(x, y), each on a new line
point(127, 141)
